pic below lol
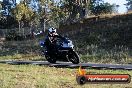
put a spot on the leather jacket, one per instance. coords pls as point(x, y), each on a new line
point(51, 40)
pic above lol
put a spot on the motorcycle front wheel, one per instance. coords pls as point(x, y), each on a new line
point(73, 57)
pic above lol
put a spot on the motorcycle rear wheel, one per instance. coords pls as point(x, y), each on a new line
point(50, 59)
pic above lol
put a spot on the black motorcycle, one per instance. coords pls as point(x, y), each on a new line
point(63, 51)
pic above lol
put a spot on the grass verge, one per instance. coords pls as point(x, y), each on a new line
point(33, 76)
point(22, 57)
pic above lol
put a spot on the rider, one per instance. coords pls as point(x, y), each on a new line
point(51, 39)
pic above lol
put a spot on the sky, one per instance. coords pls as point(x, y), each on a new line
point(121, 9)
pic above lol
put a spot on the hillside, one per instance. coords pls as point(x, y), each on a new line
point(105, 30)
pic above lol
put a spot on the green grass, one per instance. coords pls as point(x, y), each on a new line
point(105, 59)
point(22, 57)
point(33, 76)
point(116, 55)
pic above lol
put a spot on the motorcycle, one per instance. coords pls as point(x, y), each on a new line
point(64, 51)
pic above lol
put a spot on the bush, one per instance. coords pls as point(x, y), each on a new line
point(13, 35)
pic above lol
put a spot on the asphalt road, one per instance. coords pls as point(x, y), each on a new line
point(70, 65)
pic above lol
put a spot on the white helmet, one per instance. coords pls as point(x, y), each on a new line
point(52, 30)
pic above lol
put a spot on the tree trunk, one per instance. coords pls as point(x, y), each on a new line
point(22, 26)
point(44, 26)
point(87, 8)
point(31, 30)
point(19, 26)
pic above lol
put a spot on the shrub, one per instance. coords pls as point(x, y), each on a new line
point(13, 35)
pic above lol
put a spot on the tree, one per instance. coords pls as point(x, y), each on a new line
point(42, 11)
point(22, 13)
point(0, 8)
point(7, 5)
point(56, 14)
point(98, 7)
point(75, 8)
point(78, 9)
point(129, 5)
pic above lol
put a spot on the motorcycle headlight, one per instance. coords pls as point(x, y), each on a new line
point(70, 44)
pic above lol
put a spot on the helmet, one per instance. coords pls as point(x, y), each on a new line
point(52, 30)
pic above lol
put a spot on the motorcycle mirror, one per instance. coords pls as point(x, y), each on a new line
point(41, 43)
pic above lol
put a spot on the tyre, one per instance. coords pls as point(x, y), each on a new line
point(81, 80)
point(73, 57)
point(50, 59)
